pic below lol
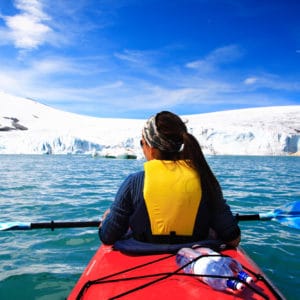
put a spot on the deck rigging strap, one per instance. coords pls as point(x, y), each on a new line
point(261, 277)
point(97, 281)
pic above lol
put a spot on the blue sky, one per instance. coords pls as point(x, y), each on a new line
point(133, 58)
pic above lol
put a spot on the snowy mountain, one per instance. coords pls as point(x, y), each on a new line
point(28, 127)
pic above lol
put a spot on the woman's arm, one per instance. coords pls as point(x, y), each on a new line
point(225, 225)
point(115, 221)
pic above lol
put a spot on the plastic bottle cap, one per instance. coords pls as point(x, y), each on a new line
point(239, 286)
point(249, 279)
point(245, 277)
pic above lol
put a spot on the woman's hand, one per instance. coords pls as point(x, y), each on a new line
point(106, 213)
point(235, 242)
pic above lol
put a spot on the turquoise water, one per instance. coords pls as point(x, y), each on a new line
point(45, 264)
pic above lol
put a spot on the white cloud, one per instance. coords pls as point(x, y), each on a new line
point(61, 65)
point(219, 56)
point(250, 80)
point(33, 7)
point(28, 29)
point(131, 56)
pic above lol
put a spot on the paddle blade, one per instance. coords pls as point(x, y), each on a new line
point(14, 226)
point(290, 215)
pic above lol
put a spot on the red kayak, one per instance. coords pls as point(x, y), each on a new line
point(113, 275)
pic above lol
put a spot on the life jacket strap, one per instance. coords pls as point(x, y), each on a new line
point(172, 238)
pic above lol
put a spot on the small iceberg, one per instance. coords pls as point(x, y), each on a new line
point(118, 153)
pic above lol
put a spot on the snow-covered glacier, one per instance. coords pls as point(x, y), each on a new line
point(29, 127)
point(255, 131)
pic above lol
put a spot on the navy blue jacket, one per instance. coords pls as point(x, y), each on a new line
point(128, 211)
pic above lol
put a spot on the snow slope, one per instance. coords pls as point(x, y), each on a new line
point(29, 127)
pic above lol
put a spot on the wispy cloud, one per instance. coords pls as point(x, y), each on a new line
point(272, 82)
point(28, 29)
point(250, 80)
point(216, 58)
point(131, 56)
point(71, 66)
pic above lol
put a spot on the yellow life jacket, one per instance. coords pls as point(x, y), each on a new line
point(172, 193)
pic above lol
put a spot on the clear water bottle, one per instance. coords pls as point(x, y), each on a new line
point(208, 265)
point(234, 265)
point(238, 271)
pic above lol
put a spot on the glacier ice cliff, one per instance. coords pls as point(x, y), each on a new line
point(28, 127)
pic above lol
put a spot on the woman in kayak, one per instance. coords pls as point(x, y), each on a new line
point(176, 199)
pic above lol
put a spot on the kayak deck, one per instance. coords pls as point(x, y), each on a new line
point(113, 275)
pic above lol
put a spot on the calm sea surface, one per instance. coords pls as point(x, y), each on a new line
point(45, 264)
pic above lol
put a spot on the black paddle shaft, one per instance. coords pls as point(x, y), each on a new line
point(247, 217)
point(52, 225)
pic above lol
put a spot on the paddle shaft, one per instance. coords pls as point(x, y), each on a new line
point(53, 225)
point(81, 224)
point(253, 217)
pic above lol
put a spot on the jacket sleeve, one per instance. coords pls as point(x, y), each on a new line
point(224, 223)
point(116, 224)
